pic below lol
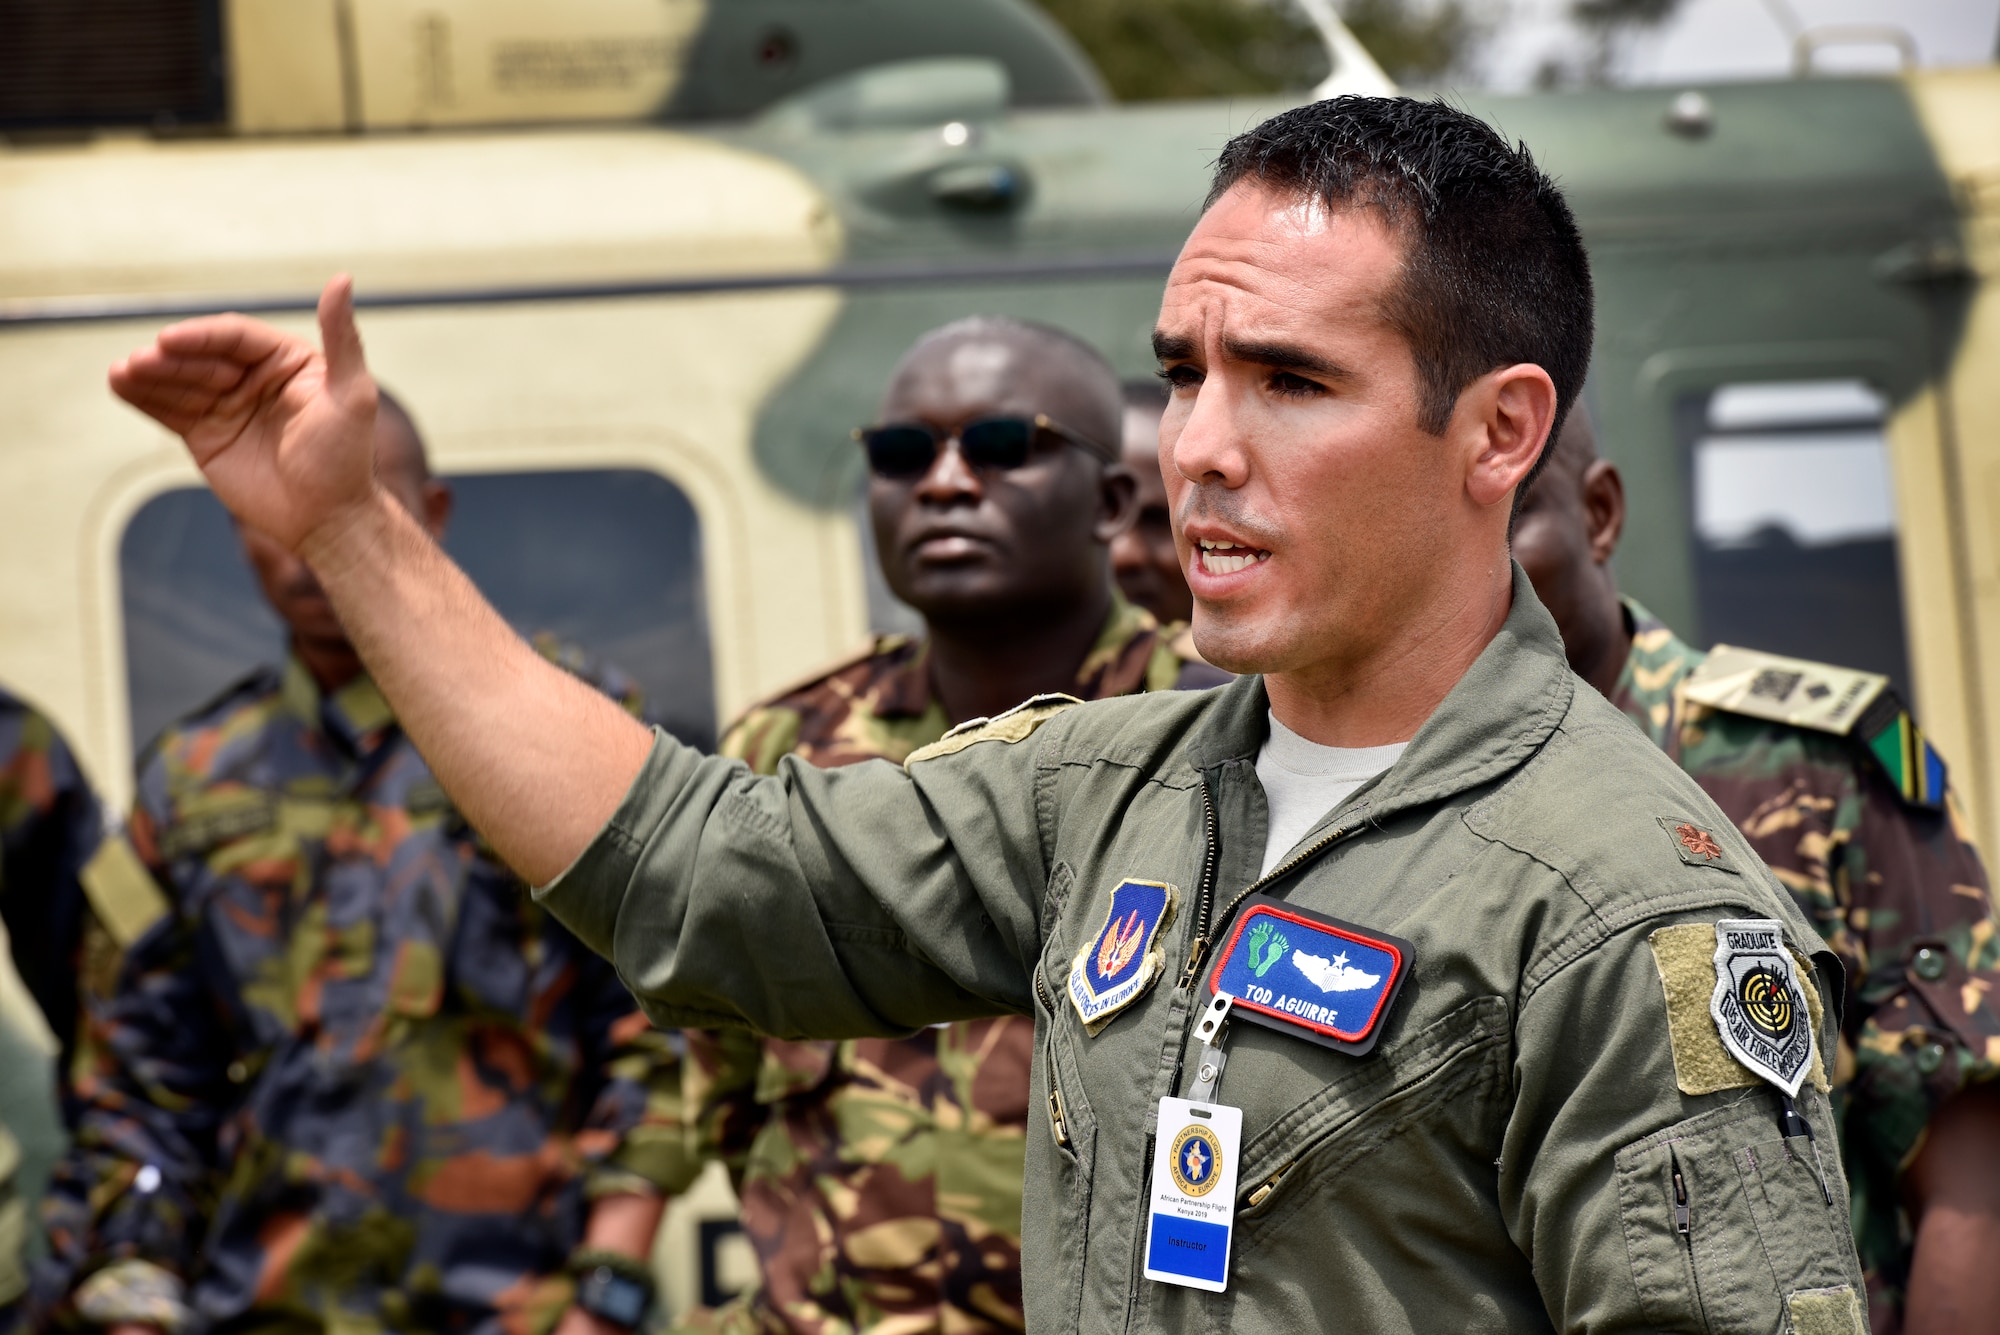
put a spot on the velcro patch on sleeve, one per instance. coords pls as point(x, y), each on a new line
point(1685, 957)
point(1016, 725)
point(122, 893)
point(1834, 1311)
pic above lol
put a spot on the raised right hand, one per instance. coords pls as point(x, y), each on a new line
point(283, 432)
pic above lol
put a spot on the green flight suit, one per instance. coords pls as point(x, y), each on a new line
point(1507, 1157)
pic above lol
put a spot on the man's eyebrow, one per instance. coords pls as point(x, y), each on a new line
point(1171, 347)
point(1284, 357)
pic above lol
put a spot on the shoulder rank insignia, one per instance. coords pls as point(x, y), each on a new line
point(1015, 725)
point(1310, 975)
point(1125, 957)
point(1841, 701)
point(1759, 1009)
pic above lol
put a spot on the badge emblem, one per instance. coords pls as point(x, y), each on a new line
point(1197, 1161)
point(1698, 841)
point(1308, 974)
point(1124, 958)
point(1758, 1006)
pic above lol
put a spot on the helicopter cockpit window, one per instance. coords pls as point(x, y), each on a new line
point(1795, 522)
point(608, 561)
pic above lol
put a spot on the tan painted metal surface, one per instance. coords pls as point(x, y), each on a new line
point(1947, 457)
point(671, 384)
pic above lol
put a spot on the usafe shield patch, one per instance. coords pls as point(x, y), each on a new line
point(1310, 975)
point(1759, 1008)
point(1125, 957)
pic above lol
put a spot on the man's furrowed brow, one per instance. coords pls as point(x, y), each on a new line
point(1284, 357)
point(1172, 347)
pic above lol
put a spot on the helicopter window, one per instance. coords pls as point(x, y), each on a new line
point(1795, 522)
point(608, 561)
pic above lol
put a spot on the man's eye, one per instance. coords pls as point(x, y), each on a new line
point(1181, 377)
point(1288, 385)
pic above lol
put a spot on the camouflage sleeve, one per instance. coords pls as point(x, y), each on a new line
point(50, 824)
point(762, 737)
point(153, 1083)
point(637, 1135)
point(1924, 1005)
point(721, 1083)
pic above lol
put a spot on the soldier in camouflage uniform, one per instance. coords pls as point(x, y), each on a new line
point(881, 1178)
point(341, 1073)
point(1877, 855)
point(50, 826)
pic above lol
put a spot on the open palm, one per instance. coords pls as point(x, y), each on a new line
point(282, 431)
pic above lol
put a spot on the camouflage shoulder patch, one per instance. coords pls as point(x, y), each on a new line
point(121, 891)
point(1685, 958)
point(1816, 696)
point(1016, 725)
point(212, 816)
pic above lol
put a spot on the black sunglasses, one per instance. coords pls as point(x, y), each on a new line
point(907, 449)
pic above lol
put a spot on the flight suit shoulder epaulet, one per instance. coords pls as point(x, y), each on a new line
point(1015, 725)
point(1820, 697)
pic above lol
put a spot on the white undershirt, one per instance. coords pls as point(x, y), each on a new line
point(1304, 780)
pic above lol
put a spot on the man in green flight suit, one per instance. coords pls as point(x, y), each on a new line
point(1885, 871)
point(1553, 1064)
point(881, 1177)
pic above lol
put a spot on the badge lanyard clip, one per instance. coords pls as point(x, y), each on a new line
point(1209, 1029)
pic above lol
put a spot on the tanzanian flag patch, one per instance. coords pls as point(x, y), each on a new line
point(1310, 975)
point(1124, 958)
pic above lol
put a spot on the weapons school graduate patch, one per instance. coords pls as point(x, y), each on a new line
point(1124, 958)
point(1310, 975)
point(1759, 1008)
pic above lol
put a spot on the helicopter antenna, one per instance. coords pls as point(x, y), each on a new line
point(1354, 70)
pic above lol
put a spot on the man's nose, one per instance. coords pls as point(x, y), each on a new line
point(1207, 445)
point(949, 479)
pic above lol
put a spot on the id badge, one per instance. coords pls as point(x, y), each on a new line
point(1194, 1194)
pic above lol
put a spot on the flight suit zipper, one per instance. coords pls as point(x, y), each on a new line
point(1205, 901)
point(1058, 1116)
point(1205, 894)
point(1683, 1207)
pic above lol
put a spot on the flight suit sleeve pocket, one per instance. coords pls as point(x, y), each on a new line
point(1726, 1224)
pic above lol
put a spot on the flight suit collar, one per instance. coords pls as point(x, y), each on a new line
point(356, 716)
point(1501, 711)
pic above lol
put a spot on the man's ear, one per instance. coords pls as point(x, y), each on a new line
point(1508, 412)
point(437, 508)
point(1118, 502)
point(1603, 509)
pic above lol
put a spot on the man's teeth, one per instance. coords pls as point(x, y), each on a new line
point(1221, 558)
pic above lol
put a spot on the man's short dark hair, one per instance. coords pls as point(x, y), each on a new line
point(1494, 270)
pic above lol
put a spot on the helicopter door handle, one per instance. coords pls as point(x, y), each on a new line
point(979, 187)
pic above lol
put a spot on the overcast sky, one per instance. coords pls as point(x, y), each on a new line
point(1745, 39)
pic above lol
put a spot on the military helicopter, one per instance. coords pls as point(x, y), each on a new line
point(638, 266)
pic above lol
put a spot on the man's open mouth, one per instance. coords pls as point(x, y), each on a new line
point(1223, 558)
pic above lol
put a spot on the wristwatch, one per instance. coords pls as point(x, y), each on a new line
point(612, 1286)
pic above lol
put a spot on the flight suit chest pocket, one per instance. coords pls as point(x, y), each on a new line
point(1728, 1226)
